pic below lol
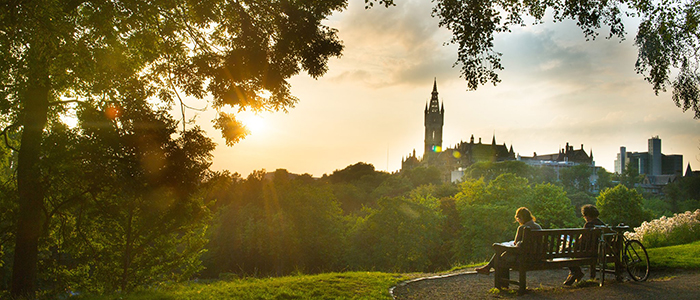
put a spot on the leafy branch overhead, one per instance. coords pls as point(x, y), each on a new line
point(667, 38)
point(240, 52)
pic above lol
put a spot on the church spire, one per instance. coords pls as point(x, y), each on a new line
point(434, 106)
point(434, 120)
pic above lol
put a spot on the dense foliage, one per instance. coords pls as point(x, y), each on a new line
point(124, 207)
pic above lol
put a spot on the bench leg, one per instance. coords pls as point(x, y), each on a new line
point(501, 275)
point(522, 280)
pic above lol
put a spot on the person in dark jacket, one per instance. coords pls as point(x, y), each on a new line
point(526, 220)
point(590, 214)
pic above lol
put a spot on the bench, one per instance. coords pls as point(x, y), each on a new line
point(543, 250)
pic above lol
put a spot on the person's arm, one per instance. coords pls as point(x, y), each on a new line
point(519, 235)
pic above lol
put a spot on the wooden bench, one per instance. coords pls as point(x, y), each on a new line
point(546, 249)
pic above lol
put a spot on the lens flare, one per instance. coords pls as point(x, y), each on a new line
point(113, 111)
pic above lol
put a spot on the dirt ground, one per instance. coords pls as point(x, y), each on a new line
point(466, 284)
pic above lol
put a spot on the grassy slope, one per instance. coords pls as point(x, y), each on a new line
point(351, 285)
point(682, 256)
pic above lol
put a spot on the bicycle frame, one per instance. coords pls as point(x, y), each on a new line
point(612, 242)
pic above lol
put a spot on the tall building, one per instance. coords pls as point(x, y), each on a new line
point(653, 162)
point(655, 156)
point(621, 160)
point(433, 121)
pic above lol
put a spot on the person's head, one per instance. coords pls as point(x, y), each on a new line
point(523, 215)
point(589, 211)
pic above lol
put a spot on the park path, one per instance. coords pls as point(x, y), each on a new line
point(466, 284)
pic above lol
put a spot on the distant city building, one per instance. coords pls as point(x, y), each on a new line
point(658, 169)
point(565, 158)
point(567, 154)
point(621, 161)
point(652, 162)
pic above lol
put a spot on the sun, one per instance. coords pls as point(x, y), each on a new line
point(254, 123)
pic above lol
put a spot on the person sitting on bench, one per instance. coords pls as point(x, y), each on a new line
point(590, 213)
point(526, 220)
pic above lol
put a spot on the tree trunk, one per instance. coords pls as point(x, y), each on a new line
point(30, 219)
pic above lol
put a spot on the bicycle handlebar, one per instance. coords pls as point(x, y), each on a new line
point(619, 227)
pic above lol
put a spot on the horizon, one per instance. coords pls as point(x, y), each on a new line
point(556, 88)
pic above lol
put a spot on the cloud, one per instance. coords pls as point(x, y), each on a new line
point(400, 45)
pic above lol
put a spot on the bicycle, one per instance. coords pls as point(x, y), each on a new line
point(626, 254)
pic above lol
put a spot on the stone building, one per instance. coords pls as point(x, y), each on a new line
point(452, 160)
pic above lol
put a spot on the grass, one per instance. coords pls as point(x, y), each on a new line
point(681, 256)
point(350, 285)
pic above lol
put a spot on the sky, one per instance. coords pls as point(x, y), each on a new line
point(557, 88)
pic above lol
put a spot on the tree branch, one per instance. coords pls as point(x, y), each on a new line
point(7, 141)
point(66, 102)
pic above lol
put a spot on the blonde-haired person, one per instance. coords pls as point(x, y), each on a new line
point(526, 220)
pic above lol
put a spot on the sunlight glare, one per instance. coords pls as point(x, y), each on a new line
point(70, 120)
point(255, 123)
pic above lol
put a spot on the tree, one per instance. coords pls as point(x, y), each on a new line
point(399, 235)
point(8, 211)
point(422, 175)
point(630, 177)
point(576, 178)
point(490, 170)
point(604, 179)
point(621, 205)
point(683, 194)
point(486, 213)
point(274, 227)
point(60, 52)
point(667, 36)
point(552, 206)
point(579, 199)
point(122, 204)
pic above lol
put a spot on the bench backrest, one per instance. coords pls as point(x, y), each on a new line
point(548, 244)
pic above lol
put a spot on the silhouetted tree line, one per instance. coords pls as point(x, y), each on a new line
point(359, 218)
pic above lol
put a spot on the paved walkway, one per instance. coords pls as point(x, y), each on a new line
point(669, 284)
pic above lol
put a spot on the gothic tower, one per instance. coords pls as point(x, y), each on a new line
point(434, 119)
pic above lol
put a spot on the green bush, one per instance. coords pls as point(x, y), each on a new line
point(621, 205)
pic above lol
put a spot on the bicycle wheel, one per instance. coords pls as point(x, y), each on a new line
point(636, 260)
